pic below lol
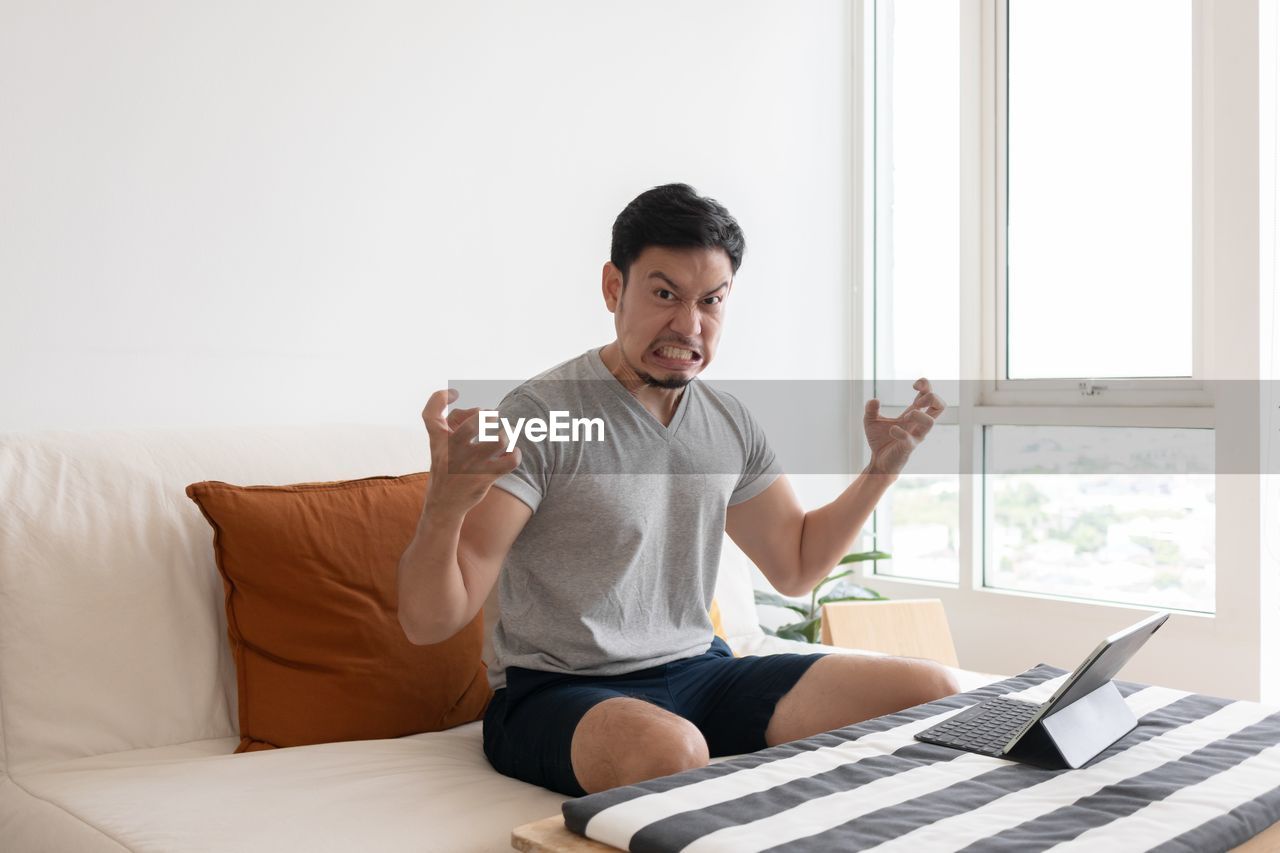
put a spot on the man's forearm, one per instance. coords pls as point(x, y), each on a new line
point(830, 531)
point(431, 588)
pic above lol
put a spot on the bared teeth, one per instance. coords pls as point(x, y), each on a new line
point(676, 353)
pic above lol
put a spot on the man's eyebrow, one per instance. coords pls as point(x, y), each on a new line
point(676, 287)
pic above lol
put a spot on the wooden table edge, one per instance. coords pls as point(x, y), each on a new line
point(550, 835)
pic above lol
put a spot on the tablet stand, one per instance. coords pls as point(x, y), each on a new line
point(1075, 734)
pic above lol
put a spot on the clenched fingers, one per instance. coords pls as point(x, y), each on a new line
point(433, 412)
point(919, 418)
point(458, 416)
point(931, 403)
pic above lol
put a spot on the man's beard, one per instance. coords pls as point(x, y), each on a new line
point(673, 383)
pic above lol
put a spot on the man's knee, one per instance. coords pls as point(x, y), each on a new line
point(622, 741)
point(931, 680)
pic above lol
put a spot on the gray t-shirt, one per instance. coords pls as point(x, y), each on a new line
point(615, 569)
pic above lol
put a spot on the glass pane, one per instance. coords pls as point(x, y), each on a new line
point(1099, 188)
point(1121, 514)
point(918, 520)
point(917, 192)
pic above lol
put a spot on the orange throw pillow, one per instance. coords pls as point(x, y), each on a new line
point(309, 572)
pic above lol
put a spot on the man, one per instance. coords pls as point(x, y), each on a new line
point(604, 665)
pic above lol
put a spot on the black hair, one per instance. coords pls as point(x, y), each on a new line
point(674, 215)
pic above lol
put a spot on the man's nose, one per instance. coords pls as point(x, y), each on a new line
point(688, 321)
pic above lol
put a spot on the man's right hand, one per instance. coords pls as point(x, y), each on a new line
point(465, 531)
point(462, 469)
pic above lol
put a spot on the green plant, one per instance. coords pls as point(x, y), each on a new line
point(809, 628)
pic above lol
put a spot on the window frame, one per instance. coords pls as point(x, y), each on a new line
point(1107, 391)
point(1227, 345)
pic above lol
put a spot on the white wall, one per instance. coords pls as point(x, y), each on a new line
point(279, 212)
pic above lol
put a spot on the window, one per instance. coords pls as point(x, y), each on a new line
point(1114, 513)
point(1059, 231)
point(917, 264)
point(1098, 218)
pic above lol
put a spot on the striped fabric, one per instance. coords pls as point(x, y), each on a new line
point(1198, 774)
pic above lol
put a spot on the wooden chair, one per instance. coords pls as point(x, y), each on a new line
point(914, 627)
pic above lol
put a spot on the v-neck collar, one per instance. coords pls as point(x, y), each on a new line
point(602, 370)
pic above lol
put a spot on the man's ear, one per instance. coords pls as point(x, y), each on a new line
point(611, 286)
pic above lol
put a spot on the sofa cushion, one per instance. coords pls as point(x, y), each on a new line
point(112, 620)
point(309, 572)
point(431, 791)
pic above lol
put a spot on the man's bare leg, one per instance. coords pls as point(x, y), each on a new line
point(842, 689)
point(622, 741)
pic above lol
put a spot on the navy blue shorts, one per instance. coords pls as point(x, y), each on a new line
point(529, 724)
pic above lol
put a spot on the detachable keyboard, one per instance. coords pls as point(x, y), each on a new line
point(988, 727)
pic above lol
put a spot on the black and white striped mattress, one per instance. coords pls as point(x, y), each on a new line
point(1198, 774)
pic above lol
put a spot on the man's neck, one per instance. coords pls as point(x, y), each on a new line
point(659, 402)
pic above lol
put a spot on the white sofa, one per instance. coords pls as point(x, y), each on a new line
point(118, 692)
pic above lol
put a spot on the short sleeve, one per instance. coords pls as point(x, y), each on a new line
point(761, 467)
point(529, 480)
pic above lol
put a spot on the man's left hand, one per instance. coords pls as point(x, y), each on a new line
point(892, 439)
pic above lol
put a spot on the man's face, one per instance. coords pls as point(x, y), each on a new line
point(668, 316)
